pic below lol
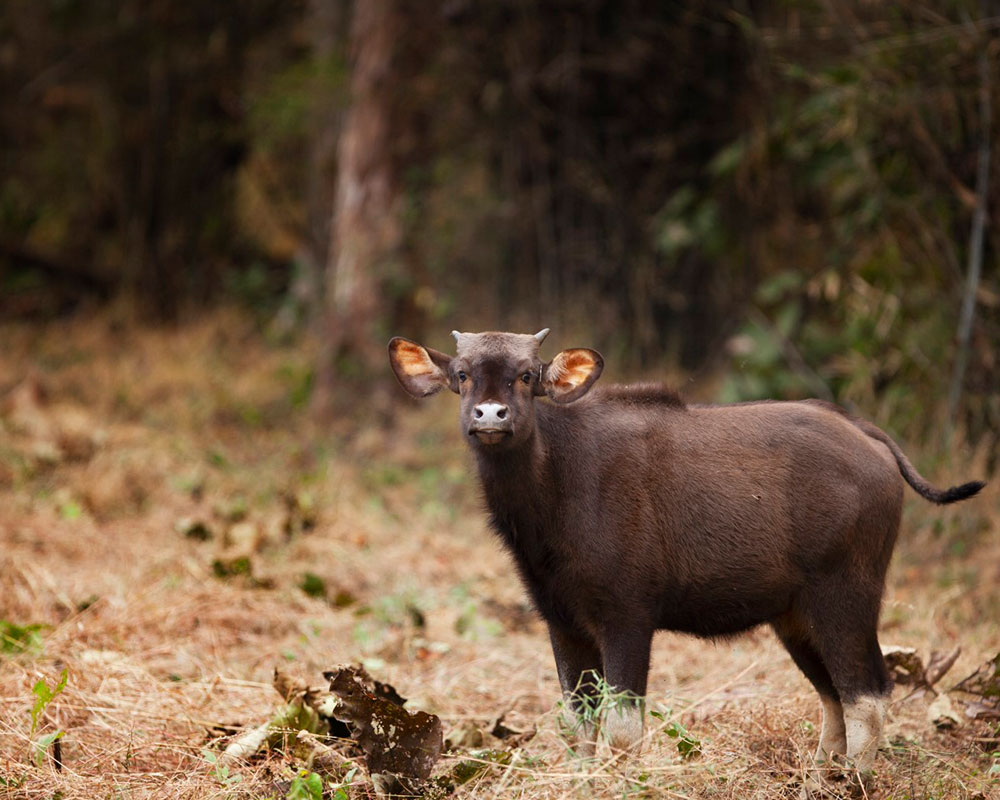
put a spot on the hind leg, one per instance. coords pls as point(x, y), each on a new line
point(833, 734)
point(864, 711)
point(844, 632)
point(833, 737)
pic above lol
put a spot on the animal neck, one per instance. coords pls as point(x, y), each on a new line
point(515, 483)
point(511, 473)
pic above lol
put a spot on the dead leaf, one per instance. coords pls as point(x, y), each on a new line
point(511, 736)
point(979, 710)
point(343, 598)
point(240, 544)
point(469, 734)
point(984, 682)
point(193, 528)
point(984, 685)
point(941, 713)
point(243, 536)
point(326, 703)
point(399, 748)
point(301, 712)
point(280, 732)
point(904, 665)
point(378, 688)
point(321, 756)
point(940, 663)
point(286, 686)
point(300, 506)
point(465, 770)
point(464, 736)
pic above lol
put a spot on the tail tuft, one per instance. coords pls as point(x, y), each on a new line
point(956, 493)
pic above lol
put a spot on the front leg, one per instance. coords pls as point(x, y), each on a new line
point(578, 662)
point(626, 649)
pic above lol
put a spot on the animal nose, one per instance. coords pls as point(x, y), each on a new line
point(490, 414)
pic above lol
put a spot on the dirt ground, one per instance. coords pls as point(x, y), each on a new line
point(173, 528)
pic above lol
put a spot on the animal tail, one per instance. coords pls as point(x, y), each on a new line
point(920, 484)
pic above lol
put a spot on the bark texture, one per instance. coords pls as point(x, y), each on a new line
point(366, 231)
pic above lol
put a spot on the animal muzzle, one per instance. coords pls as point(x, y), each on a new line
point(491, 423)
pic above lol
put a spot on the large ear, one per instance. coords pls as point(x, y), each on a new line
point(420, 370)
point(570, 374)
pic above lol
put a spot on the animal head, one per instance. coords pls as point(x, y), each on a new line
point(498, 376)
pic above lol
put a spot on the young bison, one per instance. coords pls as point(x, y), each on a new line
point(628, 511)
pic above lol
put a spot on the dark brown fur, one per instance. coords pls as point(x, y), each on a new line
point(628, 511)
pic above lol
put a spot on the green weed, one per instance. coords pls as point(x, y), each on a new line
point(43, 696)
point(687, 745)
point(313, 585)
point(220, 771)
point(306, 786)
point(596, 697)
point(16, 638)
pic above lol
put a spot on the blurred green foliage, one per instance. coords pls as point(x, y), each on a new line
point(16, 638)
point(857, 178)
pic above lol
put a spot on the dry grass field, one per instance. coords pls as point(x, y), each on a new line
point(172, 529)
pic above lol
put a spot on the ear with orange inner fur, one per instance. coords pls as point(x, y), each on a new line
point(420, 370)
point(571, 373)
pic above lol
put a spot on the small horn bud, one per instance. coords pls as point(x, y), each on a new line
point(542, 334)
point(456, 334)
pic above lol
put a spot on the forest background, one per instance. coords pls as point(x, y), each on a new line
point(784, 193)
point(214, 216)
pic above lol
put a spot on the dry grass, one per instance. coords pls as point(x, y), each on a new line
point(135, 430)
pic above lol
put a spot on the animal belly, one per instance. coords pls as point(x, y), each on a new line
point(723, 609)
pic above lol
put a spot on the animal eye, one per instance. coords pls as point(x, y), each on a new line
point(526, 377)
point(462, 376)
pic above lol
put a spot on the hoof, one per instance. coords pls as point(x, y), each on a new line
point(623, 728)
point(818, 783)
point(584, 750)
point(836, 781)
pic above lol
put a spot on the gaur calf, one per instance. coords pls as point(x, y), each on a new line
point(628, 511)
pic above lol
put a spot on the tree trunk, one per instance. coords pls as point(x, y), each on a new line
point(327, 21)
point(366, 230)
point(975, 255)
